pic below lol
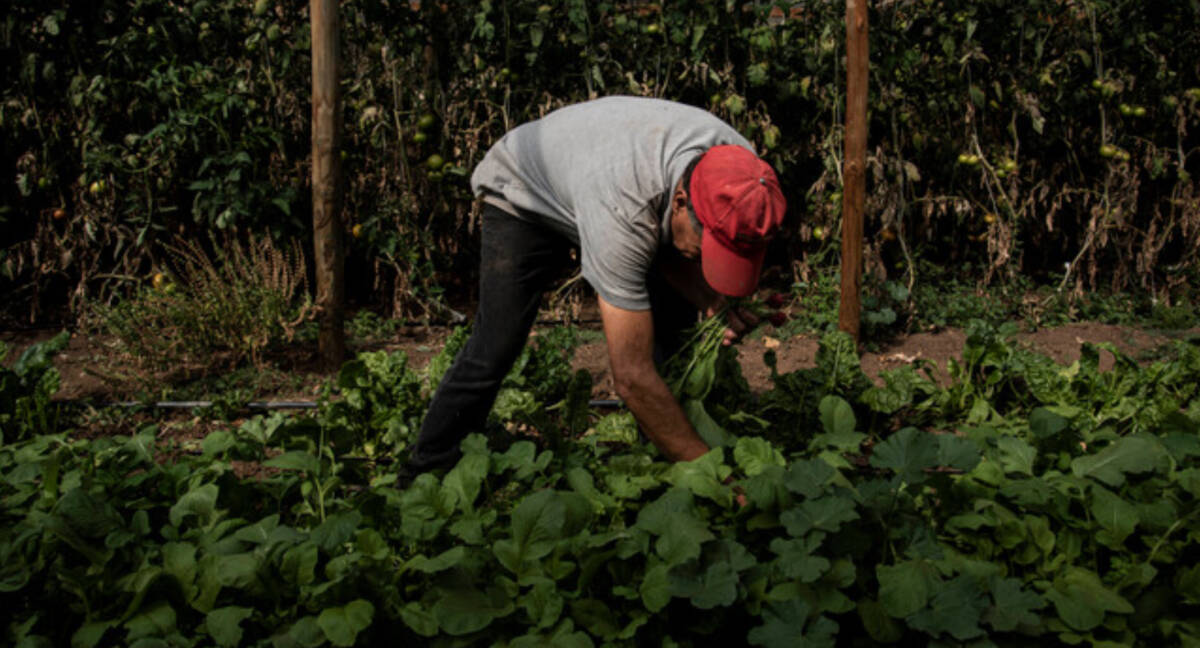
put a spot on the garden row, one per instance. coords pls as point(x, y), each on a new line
point(1008, 501)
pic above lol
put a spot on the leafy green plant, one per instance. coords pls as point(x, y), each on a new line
point(207, 313)
point(26, 389)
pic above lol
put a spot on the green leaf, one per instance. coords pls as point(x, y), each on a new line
point(1115, 516)
point(1125, 455)
point(786, 625)
point(596, 617)
point(713, 581)
point(1081, 599)
point(796, 560)
point(537, 524)
point(673, 518)
point(1046, 424)
point(445, 560)
point(808, 477)
point(295, 460)
point(466, 478)
point(341, 625)
point(881, 627)
point(304, 633)
point(421, 620)
point(958, 453)
point(464, 610)
point(1012, 606)
point(336, 530)
point(89, 634)
point(907, 452)
point(86, 514)
point(709, 430)
point(956, 609)
point(905, 587)
point(225, 624)
point(299, 564)
point(157, 621)
point(703, 476)
point(1016, 456)
point(656, 587)
point(200, 502)
point(543, 602)
point(237, 570)
point(754, 454)
point(824, 514)
point(837, 417)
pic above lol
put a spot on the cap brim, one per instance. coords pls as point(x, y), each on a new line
point(728, 272)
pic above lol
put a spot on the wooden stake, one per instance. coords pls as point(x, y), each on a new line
point(328, 253)
point(854, 170)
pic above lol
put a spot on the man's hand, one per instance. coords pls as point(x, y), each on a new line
point(741, 321)
point(630, 336)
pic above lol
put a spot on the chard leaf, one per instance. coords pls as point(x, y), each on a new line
point(543, 603)
point(466, 478)
point(539, 523)
point(418, 618)
point(596, 617)
point(157, 621)
point(656, 587)
point(707, 427)
point(1125, 455)
point(300, 564)
point(1016, 456)
point(1081, 599)
point(445, 560)
point(1046, 424)
point(1116, 517)
point(225, 624)
point(200, 502)
point(304, 633)
point(341, 625)
point(907, 452)
point(753, 455)
point(295, 460)
point(464, 610)
point(336, 530)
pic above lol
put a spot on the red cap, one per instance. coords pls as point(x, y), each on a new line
point(738, 201)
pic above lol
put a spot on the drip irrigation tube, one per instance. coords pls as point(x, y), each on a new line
point(279, 405)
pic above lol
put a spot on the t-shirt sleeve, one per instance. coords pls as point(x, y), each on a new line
point(615, 255)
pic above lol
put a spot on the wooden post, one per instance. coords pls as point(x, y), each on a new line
point(328, 253)
point(854, 170)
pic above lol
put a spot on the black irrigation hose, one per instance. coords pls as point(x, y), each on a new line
point(270, 405)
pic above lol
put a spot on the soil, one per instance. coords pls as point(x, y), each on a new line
point(87, 367)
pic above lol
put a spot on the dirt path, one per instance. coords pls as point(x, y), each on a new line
point(82, 373)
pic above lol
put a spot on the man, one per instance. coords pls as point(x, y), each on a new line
point(660, 198)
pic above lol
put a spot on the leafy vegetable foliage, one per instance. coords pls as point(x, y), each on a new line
point(1011, 500)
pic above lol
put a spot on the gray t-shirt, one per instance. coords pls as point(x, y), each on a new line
point(601, 173)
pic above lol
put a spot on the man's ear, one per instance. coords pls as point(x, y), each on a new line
point(679, 197)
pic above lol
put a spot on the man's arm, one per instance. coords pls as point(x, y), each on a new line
point(630, 336)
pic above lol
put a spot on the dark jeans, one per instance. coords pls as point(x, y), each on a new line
point(518, 260)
